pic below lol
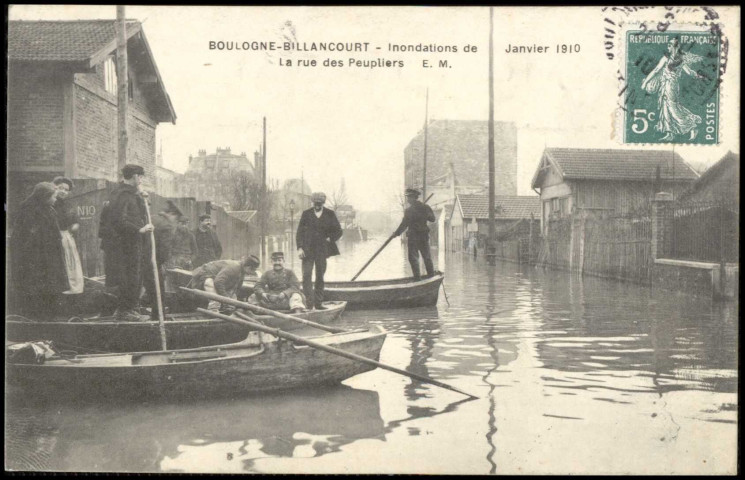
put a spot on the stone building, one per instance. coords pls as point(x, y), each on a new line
point(62, 102)
point(213, 176)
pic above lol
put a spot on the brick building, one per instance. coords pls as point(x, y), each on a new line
point(62, 102)
point(212, 176)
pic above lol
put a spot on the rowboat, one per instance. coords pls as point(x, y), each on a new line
point(248, 366)
point(183, 330)
point(382, 294)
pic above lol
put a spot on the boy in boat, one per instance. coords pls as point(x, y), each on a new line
point(278, 288)
point(223, 277)
point(416, 216)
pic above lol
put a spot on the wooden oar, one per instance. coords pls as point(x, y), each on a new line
point(393, 235)
point(336, 351)
point(260, 310)
point(161, 324)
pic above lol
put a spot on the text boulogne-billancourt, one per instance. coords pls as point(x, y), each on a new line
point(326, 47)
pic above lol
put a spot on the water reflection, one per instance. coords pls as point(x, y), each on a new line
point(152, 437)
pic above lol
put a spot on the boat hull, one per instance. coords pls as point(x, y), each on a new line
point(228, 369)
point(384, 294)
point(182, 331)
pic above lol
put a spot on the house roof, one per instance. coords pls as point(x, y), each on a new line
point(81, 44)
point(507, 207)
point(729, 160)
point(614, 164)
point(242, 215)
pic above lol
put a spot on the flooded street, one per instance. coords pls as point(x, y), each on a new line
point(574, 375)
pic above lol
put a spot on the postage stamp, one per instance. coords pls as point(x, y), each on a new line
point(672, 86)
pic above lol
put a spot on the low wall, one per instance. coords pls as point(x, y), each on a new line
point(696, 278)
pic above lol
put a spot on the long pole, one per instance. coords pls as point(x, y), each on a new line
point(263, 194)
point(336, 351)
point(492, 232)
point(161, 320)
point(123, 86)
point(424, 168)
point(259, 310)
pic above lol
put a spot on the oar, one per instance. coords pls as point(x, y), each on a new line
point(161, 324)
point(260, 310)
point(336, 351)
point(393, 235)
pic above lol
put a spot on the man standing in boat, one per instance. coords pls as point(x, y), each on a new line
point(125, 229)
point(416, 216)
point(278, 288)
point(317, 234)
point(223, 277)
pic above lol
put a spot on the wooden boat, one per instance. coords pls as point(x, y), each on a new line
point(185, 330)
point(243, 367)
point(367, 294)
point(381, 294)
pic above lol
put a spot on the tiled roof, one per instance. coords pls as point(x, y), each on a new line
point(58, 41)
point(508, 207)
point(607, 164)
point(729, 161)
point(243, 215)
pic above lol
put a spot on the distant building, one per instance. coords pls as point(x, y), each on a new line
point(460, 147)
point(213, 176)
point(619, 181)
point(471, 213)
point(62, 102)
point(719, 182)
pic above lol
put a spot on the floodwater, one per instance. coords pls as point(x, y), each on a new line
point(574, 375)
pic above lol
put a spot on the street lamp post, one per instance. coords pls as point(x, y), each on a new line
point(292, 233)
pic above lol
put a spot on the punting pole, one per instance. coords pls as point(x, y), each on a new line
point(336, 351)
point(156, 275)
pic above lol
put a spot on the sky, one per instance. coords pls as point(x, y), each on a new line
point(330, 123)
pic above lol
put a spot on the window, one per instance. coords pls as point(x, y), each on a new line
point(109, 75)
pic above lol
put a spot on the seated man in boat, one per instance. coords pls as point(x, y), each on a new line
point(279, 288)
point(223, 277)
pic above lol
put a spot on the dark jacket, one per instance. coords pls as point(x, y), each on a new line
point(184, 243)
point(164, 234)
point(120, 234)
point(37, 258)
point(415, 219)
point(227, 275)
point(208, 246)
point(318, 236)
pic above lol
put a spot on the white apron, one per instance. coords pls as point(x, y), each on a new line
point(72, 263)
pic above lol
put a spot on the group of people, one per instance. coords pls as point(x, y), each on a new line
point(46, 264)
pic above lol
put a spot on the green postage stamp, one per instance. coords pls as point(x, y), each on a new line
point(672, 86)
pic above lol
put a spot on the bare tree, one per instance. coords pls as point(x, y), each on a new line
point(339, 197)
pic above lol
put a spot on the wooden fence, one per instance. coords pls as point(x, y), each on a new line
point(614, 247)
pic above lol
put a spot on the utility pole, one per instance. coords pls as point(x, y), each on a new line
point(492, 232)
point(263, 202)
point(424, 168)
point(123, 86)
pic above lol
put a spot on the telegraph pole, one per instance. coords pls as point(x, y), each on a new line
point(263, 202)
point(123, 86)
point(492, 231)
point(424, 169)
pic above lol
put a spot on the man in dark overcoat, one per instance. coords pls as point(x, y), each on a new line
point(416, 216)
point(164, 231)
point(208, 245)
point(317, 234)
point(125, 229)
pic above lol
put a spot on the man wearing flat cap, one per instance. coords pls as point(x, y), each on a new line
point(317, 234)
point(223, 277)
point(416, 216)
point(124, 229)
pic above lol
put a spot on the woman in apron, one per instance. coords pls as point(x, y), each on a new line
point(67, 219)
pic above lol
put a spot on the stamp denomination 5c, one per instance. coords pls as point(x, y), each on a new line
point(672, 87)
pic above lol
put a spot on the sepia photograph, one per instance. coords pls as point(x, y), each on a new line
point(427, 240)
